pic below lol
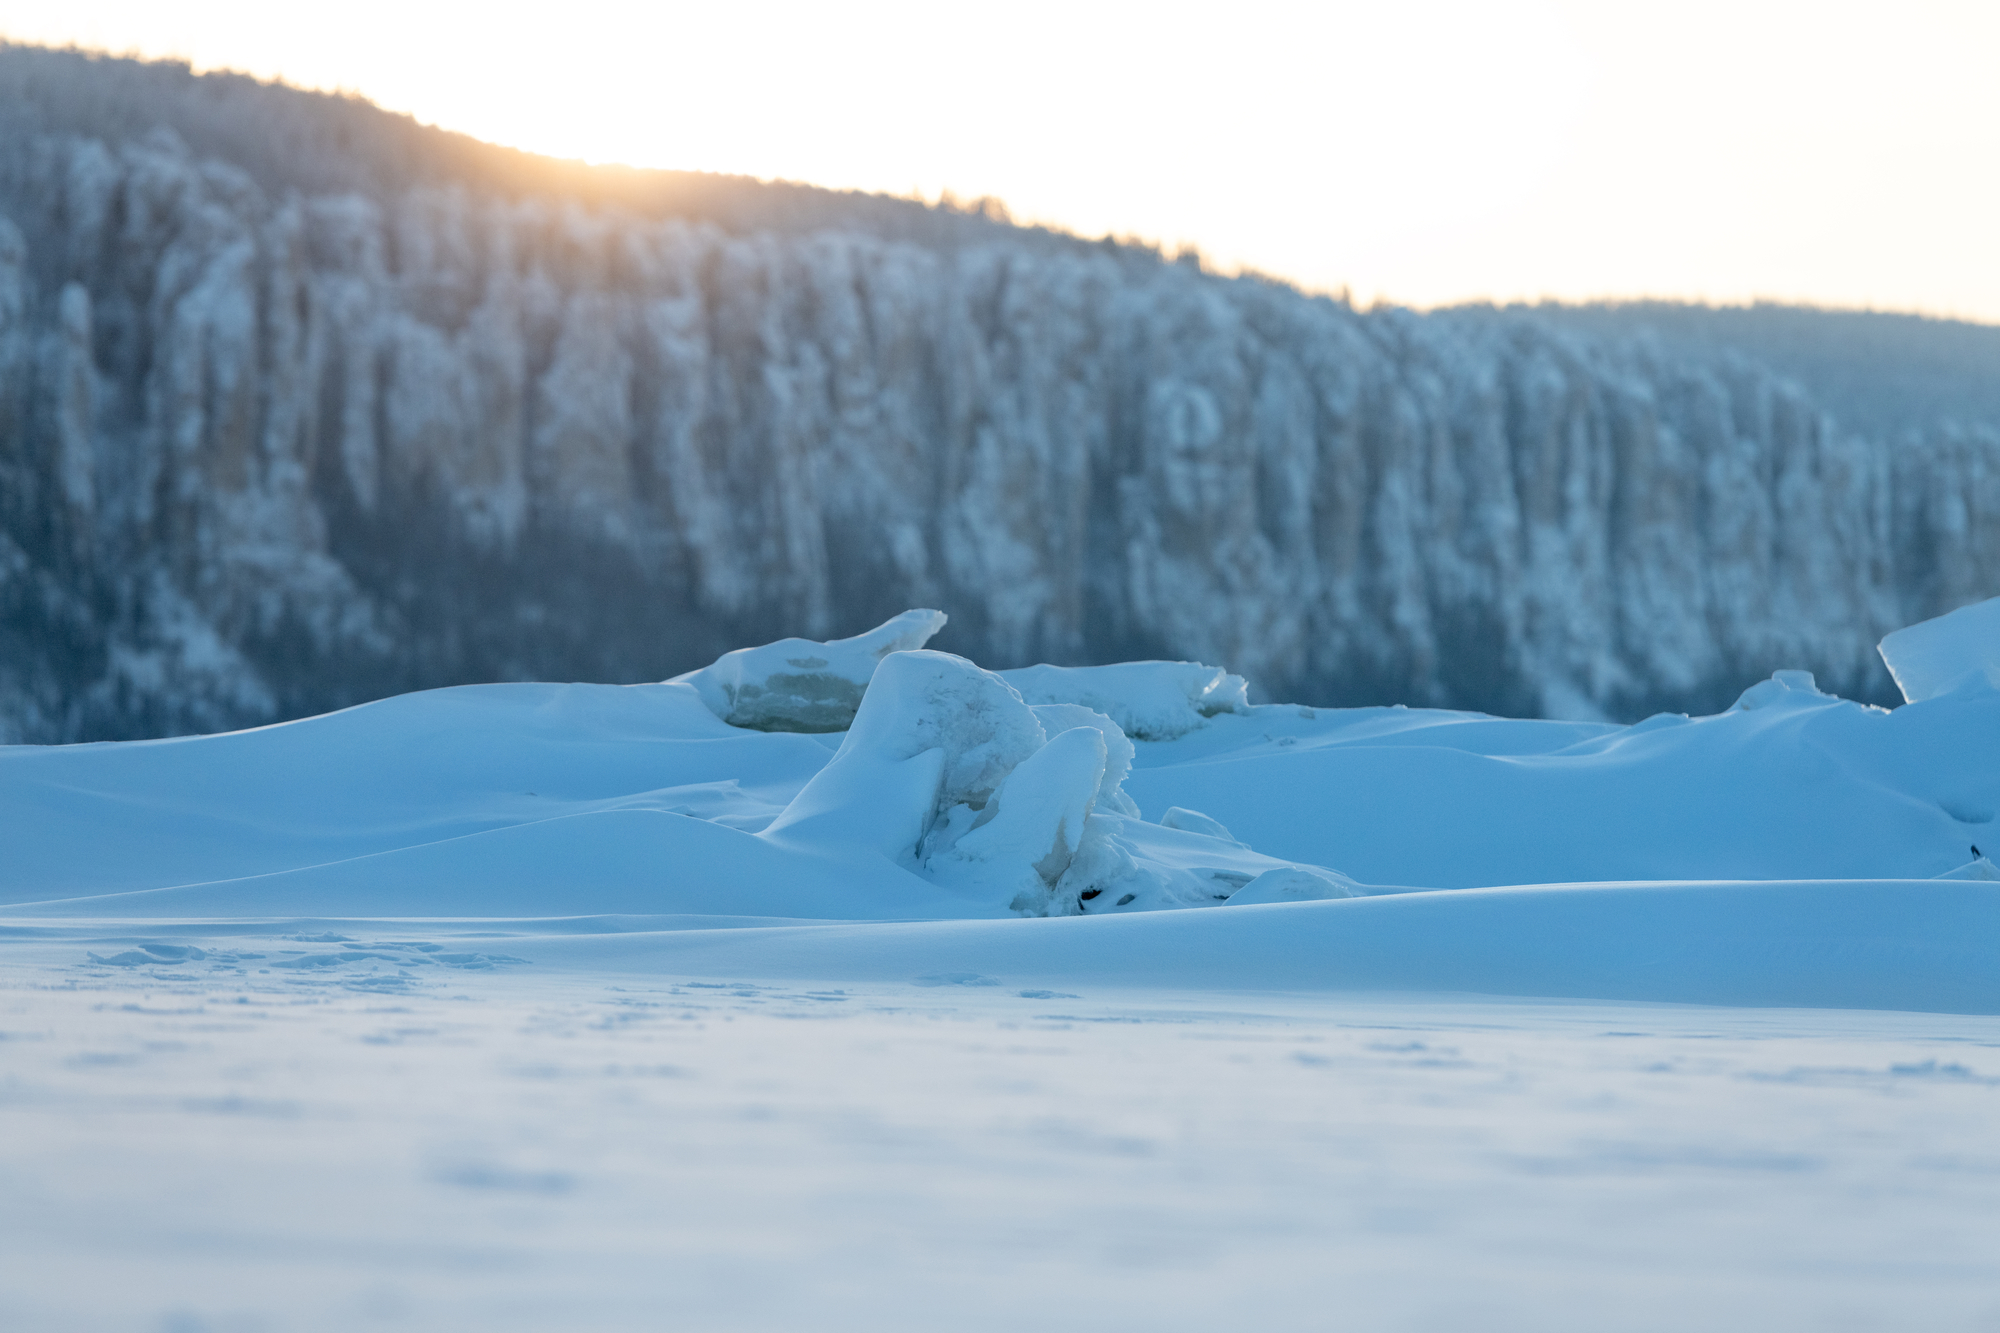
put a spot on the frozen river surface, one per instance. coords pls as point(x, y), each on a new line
point(223, 1143)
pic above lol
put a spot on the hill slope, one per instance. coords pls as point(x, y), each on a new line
point(302, 404)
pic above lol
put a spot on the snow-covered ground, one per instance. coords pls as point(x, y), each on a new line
point(1094, 999)
point(231, 1148)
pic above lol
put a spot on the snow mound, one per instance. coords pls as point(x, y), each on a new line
point(1785, 689)
point(1980, 868)
point(1295, 884)
point(1957, 650)
point(802, 684)
point(1150, 701)
point(951, 796)
point(1194, 821)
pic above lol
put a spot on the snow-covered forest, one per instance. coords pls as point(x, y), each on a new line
point(302, 404)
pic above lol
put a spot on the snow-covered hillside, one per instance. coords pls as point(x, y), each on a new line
point(268, 450)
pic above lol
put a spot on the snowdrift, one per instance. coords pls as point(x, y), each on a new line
point(1797, 848)
point(1840, 944)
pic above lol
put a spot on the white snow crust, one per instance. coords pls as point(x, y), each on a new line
point(305, 1141)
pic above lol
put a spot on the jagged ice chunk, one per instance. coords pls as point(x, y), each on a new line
point(1194, 821)
point(1956, 650)
point(802, 684)
point(1150, 701)
point(1294, 884)
point(1023, 842)
point(932, 732)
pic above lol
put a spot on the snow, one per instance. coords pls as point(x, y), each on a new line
point(518, 1005)
point(215, 1147)
point(954, 796)
point(1291, 884)
point(1150, 701)
point(1958, 650)
point(1194, 821)
point(1118, 750)
point(1811, 787)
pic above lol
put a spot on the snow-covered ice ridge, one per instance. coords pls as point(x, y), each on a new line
point(1797, 848)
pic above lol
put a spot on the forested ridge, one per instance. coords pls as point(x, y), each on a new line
point(302, 403)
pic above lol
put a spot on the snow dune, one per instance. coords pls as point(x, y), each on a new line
point(1857, 944)
point(1788, 851)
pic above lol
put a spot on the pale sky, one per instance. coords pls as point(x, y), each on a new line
point(1423, 152)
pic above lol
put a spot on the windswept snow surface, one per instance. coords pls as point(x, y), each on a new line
point(300, 1142)
point(528, 1006)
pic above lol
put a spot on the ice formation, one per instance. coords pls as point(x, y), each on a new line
point(1150, 701)
point(1784, 689)
point(1022, 844)
point(1294, 884)
point(933, 733)
point(1194, 821)
point(1955, 651)
point(1118, 751)
point(949, 773)
point(803, 685)
point(950, 796)
point(1978, 868)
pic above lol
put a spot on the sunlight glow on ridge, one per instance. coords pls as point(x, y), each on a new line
point(1424, 153)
